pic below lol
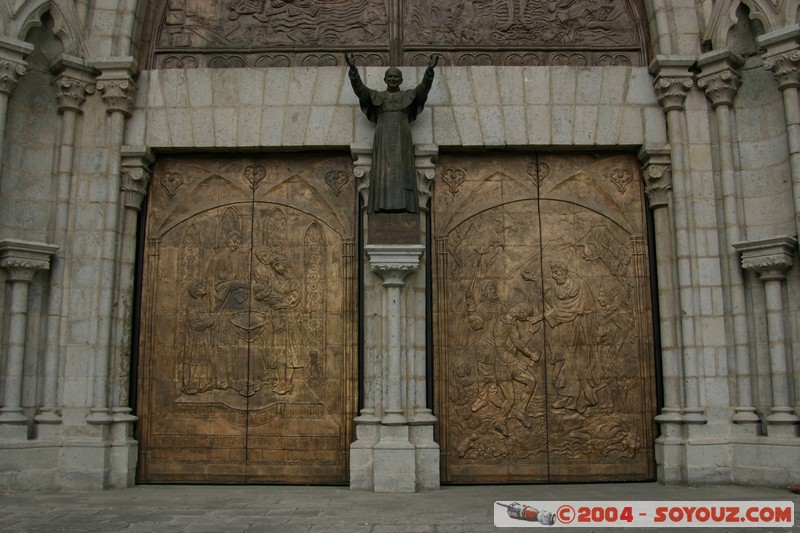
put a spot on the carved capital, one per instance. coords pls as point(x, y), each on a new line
point(22, 259)
point(118, 94)
point(425, 156)
point(769, 258)
point(721, 87)
point(10, 73)
point(785, 69)
point(720, 78)
point(116, 84)
point(136, 162)
point(71, 92)
point(362, 163)
point(673, 80)
point(671, 92)
point(657, 174)
point(394, 262)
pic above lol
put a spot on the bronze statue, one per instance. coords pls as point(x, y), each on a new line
point(393, 178)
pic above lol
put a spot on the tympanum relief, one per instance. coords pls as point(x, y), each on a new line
point(248, 323)
point(543, 327)
point(281, 33)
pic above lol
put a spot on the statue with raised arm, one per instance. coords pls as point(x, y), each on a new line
point(393, 178)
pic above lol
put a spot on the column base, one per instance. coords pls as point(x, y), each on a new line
point(13, 415)
point(394, 461)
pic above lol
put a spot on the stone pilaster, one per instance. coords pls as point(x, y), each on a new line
point(21, 260)
point(673, 81)
point(12, 68)
point(118, 91)
point(770, 259)
point(720, 80)
point(782, 58)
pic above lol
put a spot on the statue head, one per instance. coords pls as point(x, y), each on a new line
point(393, 78)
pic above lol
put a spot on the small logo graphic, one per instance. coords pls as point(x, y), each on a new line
point(527, 513)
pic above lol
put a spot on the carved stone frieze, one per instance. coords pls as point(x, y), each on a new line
point(271, 33)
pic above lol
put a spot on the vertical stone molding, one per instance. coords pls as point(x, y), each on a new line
point(74, 81)
point(657, 174)
point(720, 80)
point(673, 81)
point(21, 260)
point(770, 259)
point(135, 176)
point(12, 68)
point(782, 58)
point(389, 461)
point(118, 90)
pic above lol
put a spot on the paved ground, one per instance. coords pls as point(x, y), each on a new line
point(453, 509)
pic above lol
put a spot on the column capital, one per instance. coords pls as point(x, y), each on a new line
point(770, 258)
point(22, 259)
point(781, 54)
point(74, 80)
point(719, 77)
point(673, 80)
point(116, 83)
point(657, 175)
point(12, 64)
point(362, 163)
point(393, 262)
point(136, 162)
point(425, 156)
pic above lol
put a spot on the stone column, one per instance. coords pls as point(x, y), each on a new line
point(12, 68)
point(394, 455)
point(74, 81)
point(770, 259)
point(673, 80)
point(118, 90)
point(782, 58)
point(21, 260)
point(136, 161)
point(720, 80)
point(657, 174)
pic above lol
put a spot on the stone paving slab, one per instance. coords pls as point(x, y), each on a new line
point(289, 509)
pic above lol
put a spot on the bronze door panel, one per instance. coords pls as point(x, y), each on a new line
point(543, 330)
point(247, 365)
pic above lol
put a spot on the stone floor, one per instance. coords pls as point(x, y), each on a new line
point(288, 509)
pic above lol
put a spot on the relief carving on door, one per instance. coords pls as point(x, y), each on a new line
point(542, 319)
point(248, 325)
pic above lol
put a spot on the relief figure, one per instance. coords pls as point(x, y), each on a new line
point(393, 177)
point(481, 319)
point(227, 275)
point(514, 332)
point(278, 287)
point(196, 361)
point(569, 310)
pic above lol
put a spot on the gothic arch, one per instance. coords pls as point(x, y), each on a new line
point(772, 14)
point(66, 26)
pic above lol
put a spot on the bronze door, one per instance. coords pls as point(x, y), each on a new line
point(248, 327)
point(542, 319)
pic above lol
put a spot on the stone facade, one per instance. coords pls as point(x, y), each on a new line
point(714, 119)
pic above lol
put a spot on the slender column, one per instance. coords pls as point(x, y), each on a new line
point(658, 186)
point(393, 263)
point(770, 259)
point(12, 68)
point(74, 81)
point(21, 260)
point(118, 89)
point(136, 161)
point(783, 60)
point(720, 80)
point(672, 83)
